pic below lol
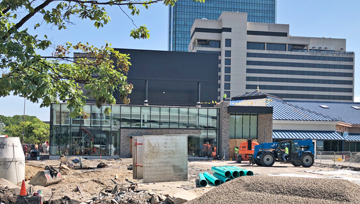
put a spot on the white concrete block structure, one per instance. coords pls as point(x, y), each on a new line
point(266, 56)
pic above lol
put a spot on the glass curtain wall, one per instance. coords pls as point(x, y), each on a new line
point(99, 134)
point(243, 126)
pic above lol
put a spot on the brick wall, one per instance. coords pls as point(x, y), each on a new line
point(265, 124)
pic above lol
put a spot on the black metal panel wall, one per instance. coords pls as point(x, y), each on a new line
point(172, 77)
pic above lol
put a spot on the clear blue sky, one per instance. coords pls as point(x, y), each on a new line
point(320, 18)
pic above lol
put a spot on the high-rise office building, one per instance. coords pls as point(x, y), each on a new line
point(264, 55)
point(183, 14)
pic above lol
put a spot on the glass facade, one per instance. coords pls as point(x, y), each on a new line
point(184, 13)
point(99, 134)
point(243, 126)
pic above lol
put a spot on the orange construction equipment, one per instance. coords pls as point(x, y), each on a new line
point(246, 149)
point(23, 189)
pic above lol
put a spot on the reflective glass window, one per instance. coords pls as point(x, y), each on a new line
point(56, 114)
point(255, 46)
point(227, 61)
point(227, 94)
point(227, 42)
point(246, 125)
point(125, 116)
point(145, 117)
point(65, 115)
point(228, 70)
point(274, 46)
point(155, 117)
point(95, 116)
point(184, 118)
point(135, 117)
point(203, 118)
point(227, 53)
point(253, 126)
point(164, 118)
point(239, 127)
point(174, 117)
point(212, 118)
point(227, 77)
point(105, 118)
point(115, 113)
point(193, 118)
point(227, 85)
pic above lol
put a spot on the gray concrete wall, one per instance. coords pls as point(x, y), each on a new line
point(224, 129)
point(165, 158)
point(125, 135)
point(265, 127)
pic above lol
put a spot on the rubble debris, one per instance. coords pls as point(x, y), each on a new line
point(98, 181)
point(130, 167)
point(63, 200)
point(271, 189)
point(354, 158)
point(64, 170)
point(4, 183)
point(102, 165)
point(8, 195)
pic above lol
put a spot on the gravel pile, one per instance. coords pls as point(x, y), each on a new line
point(274, 189)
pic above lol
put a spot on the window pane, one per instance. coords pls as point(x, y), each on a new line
point(273, 46)
point(227, 42)
point(125, 116)
point(227, 77)
point(203, 118)
point(253, 126)
point(255, 46)
point(212, 118)
point(115, 112)
point(155, 112)
point(227, 53)
point(95, 115)
point(227, 86)
point(227, 69)
point(193, 118)
point(227, 61)
point(184, 117)
point(212, 138)
point(239, 134)
point(227, 94)
point(145, 117)
point(56, 114)
point(246, 126)
point(105, 119)
point(65, 115)
point(232, 126)
point(135, 117)
point(174, 117)
point(164, 118)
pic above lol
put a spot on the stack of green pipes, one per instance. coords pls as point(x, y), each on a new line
point(222, 174)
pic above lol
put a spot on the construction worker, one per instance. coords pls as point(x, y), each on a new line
point(236, 151)
point(285, 153)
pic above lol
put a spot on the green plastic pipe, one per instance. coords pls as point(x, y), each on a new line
point(223, 179)
point(246, 172)
point(212, 179)
point(234, 172)
point(202, 180)
point(221, 171)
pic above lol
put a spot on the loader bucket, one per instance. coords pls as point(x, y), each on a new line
point(43, 178)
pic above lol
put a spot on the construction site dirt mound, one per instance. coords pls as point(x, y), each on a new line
point(31, 171)
point(274, 189)
point(8, 195)
point(354, 158)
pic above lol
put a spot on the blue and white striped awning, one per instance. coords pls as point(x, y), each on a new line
point(352, 138)
point(301, 135)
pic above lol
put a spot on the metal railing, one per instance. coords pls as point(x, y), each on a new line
point(344, 158)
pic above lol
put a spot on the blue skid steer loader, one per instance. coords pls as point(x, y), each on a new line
point(301, 153)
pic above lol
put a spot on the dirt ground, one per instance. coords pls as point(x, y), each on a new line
point(92, 181)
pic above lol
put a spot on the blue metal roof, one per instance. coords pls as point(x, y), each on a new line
point(286, 111)
point(300, 135)
point(353, 138)
point(340, 111)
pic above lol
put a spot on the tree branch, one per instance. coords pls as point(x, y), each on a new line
point(5, 10)
point(110, 3)
point(27, 17)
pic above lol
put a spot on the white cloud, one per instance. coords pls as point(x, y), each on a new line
point(357, 99)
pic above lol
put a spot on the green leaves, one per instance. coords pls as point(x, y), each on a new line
point(95, 73)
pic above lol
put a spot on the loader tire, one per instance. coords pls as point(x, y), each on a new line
point(238, 158)
point(267, 159)
point(307, 160)
point(257, 162)
point(296, 163)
